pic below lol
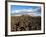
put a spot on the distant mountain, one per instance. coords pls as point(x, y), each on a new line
point(23, 14)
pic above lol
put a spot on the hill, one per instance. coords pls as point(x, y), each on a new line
point(25, 23)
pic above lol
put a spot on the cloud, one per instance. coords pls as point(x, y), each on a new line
point(23, 10)
point(27, 10)
point(33, 12)
point(37, 9)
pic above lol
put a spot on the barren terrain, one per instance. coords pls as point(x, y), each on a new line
point(25, 23)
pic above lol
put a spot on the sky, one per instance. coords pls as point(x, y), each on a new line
point(19, 9)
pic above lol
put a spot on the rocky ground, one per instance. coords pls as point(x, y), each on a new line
point(25, 23)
